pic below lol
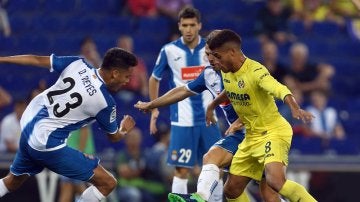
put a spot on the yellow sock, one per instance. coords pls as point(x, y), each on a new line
point(295, 192)
point(242, 198)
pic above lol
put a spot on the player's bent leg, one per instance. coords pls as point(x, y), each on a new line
point(103, 180)
point(235, 186)
point(267, 193)
point(275, 177)
point(11, 182)
point(218, 156)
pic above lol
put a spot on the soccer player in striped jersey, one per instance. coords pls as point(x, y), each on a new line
point(184, 59)
point(80, 95)
point(251, 90)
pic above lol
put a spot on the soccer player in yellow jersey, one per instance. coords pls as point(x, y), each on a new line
point(251, 90)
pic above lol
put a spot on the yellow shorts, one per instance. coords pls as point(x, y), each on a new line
point(256, 150)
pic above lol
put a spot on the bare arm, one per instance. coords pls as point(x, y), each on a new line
point(172, 96)
point(127, 123)
point(296, 111)
point(153, 94)
point(210, 118)
point(32, 60)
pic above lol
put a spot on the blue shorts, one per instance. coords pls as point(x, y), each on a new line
point(231, 142)
point(65, 161)
point(189, 144)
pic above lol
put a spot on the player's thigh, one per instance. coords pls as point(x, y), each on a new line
point(277, 146)
point(70, 163)
point(183, 147)
point(244, 163)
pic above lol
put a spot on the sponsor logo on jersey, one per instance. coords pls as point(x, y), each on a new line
point(178, 58)
point(237, 96)
point(113, 115)
point(191, 73)
point(241, 84)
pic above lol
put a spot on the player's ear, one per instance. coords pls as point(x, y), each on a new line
point(115, 73)
point(200, 26)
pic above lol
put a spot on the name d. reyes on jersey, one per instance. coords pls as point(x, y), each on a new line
point(87, 82)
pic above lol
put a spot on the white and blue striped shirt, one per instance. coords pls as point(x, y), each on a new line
point(184, 66)
point(78, 97)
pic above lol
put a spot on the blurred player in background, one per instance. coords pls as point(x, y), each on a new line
point(80, 95)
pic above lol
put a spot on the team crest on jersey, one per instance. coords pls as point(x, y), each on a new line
point(174, 155)
point(241, 84)
point(113, 115)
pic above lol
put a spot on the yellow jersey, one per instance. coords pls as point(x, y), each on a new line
point(251, 91)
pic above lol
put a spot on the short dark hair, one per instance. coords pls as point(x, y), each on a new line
point(189, 12)
point(211, 35)
point(118, 58)
point(222, 37)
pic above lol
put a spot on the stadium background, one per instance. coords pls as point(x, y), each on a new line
point(58, 26)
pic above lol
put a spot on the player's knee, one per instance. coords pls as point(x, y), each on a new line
point(274, 182)
point(112, 183)
point(207, 158)
point(231, 191)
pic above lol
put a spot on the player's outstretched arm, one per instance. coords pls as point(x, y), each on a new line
point(31, 60)
point(126, 125)
point(296, 111)
point(210, 118)
point(174, 95)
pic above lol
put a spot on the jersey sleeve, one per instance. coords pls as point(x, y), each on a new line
point(269, 83)
point(107, 119)
point(160, 65)
point(59, 63)
point(198, 85)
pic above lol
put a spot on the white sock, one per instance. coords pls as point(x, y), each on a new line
point(91, 194)
point(179, 185)
point(3, 189)
point(217, 194)
point(208, 180)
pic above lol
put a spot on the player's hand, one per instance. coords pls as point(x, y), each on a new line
point(303, 115)
point(143, 106)
point(154, 116)
point(235, 126)
point(127, 123)
point(210, 118)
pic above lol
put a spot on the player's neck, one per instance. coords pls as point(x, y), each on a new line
point(192, 44)
point(239, 62)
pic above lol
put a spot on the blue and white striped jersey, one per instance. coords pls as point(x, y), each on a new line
point(211, 80)
point(78, 97)
point(184, 66)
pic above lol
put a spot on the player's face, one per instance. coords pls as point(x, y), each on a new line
point(214, 62)
point(189, 28)
point(119, 77)
point(223, 57)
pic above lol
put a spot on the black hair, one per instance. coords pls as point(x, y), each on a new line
point(189, 12)
point(211, 35)
point(118, 58)
point(222, 37)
